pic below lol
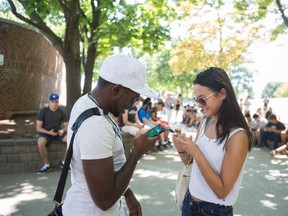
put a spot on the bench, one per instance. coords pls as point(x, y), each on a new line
point(10, 114)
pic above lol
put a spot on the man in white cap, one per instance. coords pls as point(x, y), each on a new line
point(48, 125)
point(99, 169)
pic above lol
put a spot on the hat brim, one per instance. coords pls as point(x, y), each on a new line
point(146, 92)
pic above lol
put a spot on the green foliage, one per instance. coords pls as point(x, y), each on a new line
point(242, 80)
point(276, 89)
point(215, 40)
point(161, 77)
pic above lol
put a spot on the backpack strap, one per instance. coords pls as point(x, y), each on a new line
point(62, 181)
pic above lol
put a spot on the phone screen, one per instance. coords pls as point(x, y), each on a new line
point(155, 131)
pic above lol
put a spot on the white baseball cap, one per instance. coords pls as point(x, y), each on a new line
point(126, 71)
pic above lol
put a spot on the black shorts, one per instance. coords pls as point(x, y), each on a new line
point(49, 138)
point(177, 107)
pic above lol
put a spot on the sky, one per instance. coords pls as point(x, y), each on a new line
point(270, 63)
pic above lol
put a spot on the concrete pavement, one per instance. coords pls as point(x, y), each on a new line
point(264, 189)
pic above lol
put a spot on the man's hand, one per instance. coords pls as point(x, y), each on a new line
point(132, 203)
point(53, 133)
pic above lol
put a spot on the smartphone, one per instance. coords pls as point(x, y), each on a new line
point(155, 131)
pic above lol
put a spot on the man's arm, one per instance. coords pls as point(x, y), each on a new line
point(105, 186)
point(40, 129)
point(64, 129)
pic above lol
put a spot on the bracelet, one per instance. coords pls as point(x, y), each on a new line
point(181, 152)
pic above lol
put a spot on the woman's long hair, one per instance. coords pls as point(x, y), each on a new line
point(230, 114)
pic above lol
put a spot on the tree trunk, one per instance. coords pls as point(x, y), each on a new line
point(72, 54)
point(88, 68)
point(73, 80)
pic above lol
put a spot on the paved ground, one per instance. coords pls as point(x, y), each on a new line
point(264, 190)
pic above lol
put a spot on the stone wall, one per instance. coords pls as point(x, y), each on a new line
point(32, 69)
point(21, 155)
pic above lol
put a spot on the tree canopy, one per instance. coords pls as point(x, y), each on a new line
point(83, 31)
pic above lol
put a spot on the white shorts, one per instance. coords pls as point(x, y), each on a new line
point(130, 129)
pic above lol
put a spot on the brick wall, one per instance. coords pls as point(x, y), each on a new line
point(32, 69)
point(21, 155)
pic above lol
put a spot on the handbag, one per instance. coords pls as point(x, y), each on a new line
point(182, 184)
point(57, 211)
point(183, 179)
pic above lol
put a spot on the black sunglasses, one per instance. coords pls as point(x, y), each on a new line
point(134, 99)
point(202, 101)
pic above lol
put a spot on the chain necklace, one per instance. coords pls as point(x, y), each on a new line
point(112, 122)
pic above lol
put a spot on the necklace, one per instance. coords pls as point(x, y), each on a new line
point(111, 121)
point(93, 99)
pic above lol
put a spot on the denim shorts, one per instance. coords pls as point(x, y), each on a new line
point(194, 208)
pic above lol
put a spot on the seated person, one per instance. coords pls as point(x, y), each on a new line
point(195, 118)
point(187, 114)
point(48, 126)
point(158, 107)
point(252, 124)
point(272, 131)
point(260, 124)
point(130, 122)
point(284, 147)
point(144, 115)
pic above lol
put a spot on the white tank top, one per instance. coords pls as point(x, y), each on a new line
point(214, 153)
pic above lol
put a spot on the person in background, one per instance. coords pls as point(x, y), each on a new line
point(265, 103)
point(284, 147)
point(48, 125)
point(252, 124)
point(247, 104)
point(268, 113)
point(130, 121)
point(145, 117)
point(178, 105)
point(272, 132)
point(260, 124)
point(99, 169)
point(169, 106)
point(157, 108)
point(220, 149)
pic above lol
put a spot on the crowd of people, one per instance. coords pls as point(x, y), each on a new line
point(100, 171)
point(268, 131)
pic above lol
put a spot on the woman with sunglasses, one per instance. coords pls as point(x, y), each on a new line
point(220, 149)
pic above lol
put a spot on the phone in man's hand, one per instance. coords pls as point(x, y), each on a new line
point(155, 131)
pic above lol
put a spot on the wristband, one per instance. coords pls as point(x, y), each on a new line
point(181, 152)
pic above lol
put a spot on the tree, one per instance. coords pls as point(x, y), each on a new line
point(242, 80)
point(92, 29)
point(276, 89)
point(217, 39)
point(256, 10)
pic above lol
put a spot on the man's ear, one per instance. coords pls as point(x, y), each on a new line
point(117, 90)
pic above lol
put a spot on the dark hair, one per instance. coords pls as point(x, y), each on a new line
point(272, 117)
point(256, 116)
point(230, 114)
point(161, 103)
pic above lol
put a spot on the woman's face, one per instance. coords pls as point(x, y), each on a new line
point(208, 100)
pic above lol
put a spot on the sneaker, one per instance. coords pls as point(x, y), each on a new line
point(44, 169)
point(61, 164)
point(159, 147)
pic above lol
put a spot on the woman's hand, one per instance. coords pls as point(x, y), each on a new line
point(188, 145)
point(177, 137)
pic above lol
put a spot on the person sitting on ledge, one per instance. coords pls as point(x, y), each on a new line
point(48, 126)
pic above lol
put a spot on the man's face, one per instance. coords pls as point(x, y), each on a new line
point(53, 105)
point(159, 107)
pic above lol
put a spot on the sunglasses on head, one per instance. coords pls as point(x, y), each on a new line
point(202, 101)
